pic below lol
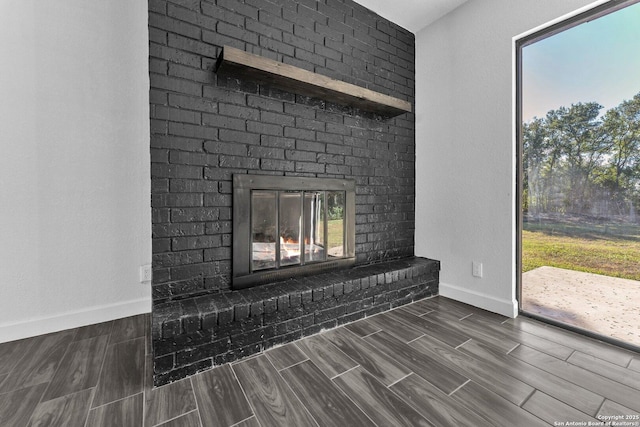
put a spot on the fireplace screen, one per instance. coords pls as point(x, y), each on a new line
point(285, 227)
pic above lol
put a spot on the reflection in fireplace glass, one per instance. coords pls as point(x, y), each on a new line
point(290, 216)
point(314, 226)
point(335, 224)
point(264, 232)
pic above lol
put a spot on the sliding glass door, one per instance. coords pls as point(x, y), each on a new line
point(579, 172)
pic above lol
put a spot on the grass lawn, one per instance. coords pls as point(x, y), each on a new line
point(609, 249)
point(335, 230)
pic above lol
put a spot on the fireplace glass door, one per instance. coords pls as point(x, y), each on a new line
point(291, 226)
point(296, 227)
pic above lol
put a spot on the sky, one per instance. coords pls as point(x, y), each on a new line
point(597, 61)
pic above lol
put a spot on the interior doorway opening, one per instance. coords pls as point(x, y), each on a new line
point(578, 121)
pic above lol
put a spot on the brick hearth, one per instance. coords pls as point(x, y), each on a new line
point(195, 334)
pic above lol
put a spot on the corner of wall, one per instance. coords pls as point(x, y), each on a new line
point(71, 319)
point(486, 302)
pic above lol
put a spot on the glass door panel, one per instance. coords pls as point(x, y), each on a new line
point(335, 224)
point(290, 213)
point(314, 248)
point(263, 229)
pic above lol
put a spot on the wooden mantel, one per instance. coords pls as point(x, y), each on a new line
point(239, 63)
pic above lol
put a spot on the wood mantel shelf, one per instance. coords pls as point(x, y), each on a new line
point(237, 62)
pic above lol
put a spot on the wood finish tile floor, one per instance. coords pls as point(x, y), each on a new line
point(436, 362)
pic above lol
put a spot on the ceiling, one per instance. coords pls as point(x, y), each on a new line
point(413, 15)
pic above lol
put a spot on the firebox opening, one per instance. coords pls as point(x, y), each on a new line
point(285, 227)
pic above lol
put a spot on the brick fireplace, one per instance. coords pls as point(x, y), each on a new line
point(208, 127)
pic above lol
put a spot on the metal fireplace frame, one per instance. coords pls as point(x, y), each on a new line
point(243, 185)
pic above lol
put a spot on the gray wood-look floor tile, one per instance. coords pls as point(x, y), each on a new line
point(362, 328)
point(419, 308)
point(610, 389)
point(40, 363)
point(168, 402)
point(11, 353)
point(606, 369)
point(327, 357)
point(148, 372)
point(128, 328)
point(573, 395)
point(387, 322)
point(443, 332)
point(65, 411)
point(192, 419)
point(599, 349)
point(493, 408)
point(122, 373)
point(553, 411)
point(494, 339)
point(384, 367)
point(220, 398)
point(438, 374)
point(56, 379)
point(442, 305)
point(440, 409)
point(446, 305)
point(611, 408)
point(272, 400)
point(487, 375)
point(516, 334)
point(379, 403)
point(324, 400)
point(80, 367)
point(95, 330)
point(147, 333)
point(249, 422)
point(284, 356)
point(126, 412)
point(17, 406)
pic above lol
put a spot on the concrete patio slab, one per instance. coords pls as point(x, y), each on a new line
point(606, 305)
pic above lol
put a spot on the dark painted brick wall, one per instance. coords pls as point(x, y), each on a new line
point(205, 128)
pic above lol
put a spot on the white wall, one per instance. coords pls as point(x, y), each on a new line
point(465, 170)
point(75, 221)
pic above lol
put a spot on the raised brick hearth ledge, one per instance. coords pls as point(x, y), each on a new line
point(195, 334)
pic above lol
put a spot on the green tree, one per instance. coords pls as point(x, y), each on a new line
point(578, 139)
point(622, 126)
point(579, 161)
point(534, 156)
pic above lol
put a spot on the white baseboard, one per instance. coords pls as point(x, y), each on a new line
point(486, 302)
point(73, 319)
